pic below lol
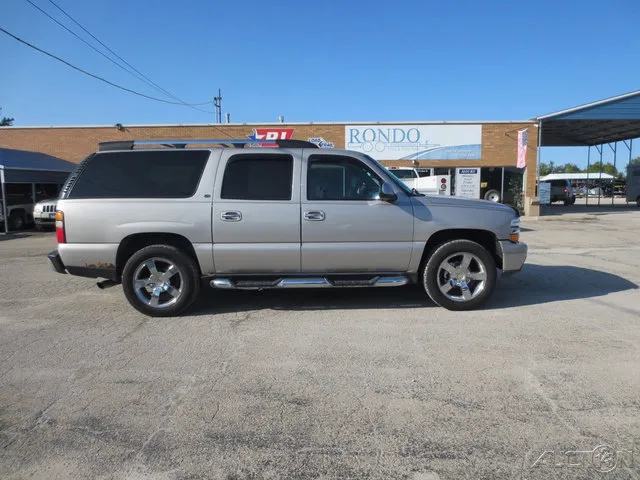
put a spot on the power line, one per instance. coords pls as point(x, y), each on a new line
point(84, 41)
point(123, 60)
point(97, 77)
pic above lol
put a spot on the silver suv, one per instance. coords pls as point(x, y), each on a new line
point(163, 221)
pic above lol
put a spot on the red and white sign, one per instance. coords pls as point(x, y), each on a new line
point(271, 134)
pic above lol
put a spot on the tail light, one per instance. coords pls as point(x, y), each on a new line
point(61, 236)
point(566, 190)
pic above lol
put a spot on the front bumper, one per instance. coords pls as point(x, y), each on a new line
point(56, 262)
point(513, 255)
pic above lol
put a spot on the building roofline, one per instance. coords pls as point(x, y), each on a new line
point(588, 105)
point(272, 124)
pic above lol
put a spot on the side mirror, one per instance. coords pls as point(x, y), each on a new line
point(387, 194)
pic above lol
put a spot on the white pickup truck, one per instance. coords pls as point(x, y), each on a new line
point(430, 185)
point(18, 212)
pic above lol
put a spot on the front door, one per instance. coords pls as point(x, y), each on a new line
point(256, 213)
point(345, 228)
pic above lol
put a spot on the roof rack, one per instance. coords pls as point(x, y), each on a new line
point(235, 143)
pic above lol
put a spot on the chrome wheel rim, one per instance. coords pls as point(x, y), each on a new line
point(462, 277)
point(494, 197)
point(158, 282)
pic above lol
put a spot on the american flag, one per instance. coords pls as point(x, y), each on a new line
point(523, 138)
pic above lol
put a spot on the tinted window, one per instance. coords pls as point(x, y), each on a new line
point(258, 177)
point(558, 183)
point(142, 174)
point(636, 173)
point(340, 178)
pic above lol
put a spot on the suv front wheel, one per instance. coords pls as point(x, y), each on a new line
point(160, 281)
point(460, 275)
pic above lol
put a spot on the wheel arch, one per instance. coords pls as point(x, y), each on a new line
point(137, 241)
point(485, 238)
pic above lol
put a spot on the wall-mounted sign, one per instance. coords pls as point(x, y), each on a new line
point(468, 182)
point(271, 134)
point(416, 142)
point(321, 142)
point(544, 192)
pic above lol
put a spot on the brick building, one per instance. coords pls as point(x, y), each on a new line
point(433, 147)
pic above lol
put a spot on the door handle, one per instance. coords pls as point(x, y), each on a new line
point(314, 215)
point(232, 216)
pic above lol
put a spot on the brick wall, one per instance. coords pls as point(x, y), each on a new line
point(499, 140)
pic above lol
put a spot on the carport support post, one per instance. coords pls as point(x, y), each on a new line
point(613, 181)
point(4, 200)
point(600, 179)
point(627, 172)
point(588, 165)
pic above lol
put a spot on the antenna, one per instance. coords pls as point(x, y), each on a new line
point(217, 104)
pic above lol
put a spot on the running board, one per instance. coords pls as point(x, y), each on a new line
point(308, 282)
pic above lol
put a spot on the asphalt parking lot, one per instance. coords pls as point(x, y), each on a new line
point(375, 383)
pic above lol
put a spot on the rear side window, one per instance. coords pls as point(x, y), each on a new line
point(636, 173)
point(258, 177)
point(157, 174)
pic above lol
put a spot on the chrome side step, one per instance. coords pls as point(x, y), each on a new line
point(308, 282)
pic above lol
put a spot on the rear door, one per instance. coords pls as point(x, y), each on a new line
point(345, 227)
point(256, 212)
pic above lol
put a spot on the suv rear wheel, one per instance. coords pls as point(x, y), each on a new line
point(460, 275)
point(160, 281)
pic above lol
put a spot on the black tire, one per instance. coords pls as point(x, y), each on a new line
point(638, 201)
point(188, 280)
point(40, 227)
point(567, 203)
point(431, 274)
point(16, 220)
point(492, 192)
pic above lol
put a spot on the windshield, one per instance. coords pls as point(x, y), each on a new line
point(403, 186)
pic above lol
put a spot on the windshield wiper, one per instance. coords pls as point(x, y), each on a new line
point(416, 193)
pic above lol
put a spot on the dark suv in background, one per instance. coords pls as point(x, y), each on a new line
point(562, 191)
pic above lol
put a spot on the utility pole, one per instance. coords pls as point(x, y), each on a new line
point(217, 103)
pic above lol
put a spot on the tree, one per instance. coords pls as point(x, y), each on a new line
point(6, 121)
point(635, 161)
point(571, 168)
point(606, 168)
point(546, 168)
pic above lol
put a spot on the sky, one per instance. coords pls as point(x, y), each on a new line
point(348, 60)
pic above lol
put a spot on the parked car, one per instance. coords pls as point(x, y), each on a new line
point(44, 214)
point(427, 184)
point(18, 211)
point(562, 191)
point(161, 221)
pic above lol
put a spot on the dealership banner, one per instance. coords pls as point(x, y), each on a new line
point(415, 142)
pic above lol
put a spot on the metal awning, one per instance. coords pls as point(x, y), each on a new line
point(21, 166)
point(606, 121)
